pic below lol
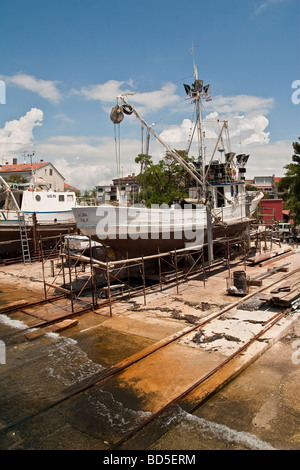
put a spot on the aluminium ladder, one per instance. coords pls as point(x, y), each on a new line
point(24, 239)
point(21, 221)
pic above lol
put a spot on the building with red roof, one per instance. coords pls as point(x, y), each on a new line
point(42, 171)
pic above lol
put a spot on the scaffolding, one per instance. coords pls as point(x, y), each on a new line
point(86, 280)
point(75, 274)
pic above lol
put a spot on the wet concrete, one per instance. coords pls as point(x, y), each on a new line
point(47, 401)
point(257, 410)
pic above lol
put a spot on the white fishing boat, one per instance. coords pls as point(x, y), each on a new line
point(31, 211)
point(221, 208)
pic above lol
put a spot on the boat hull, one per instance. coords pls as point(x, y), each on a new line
point(133, 232)
point(147, 247)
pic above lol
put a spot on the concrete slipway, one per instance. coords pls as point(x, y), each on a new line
point(44, 407)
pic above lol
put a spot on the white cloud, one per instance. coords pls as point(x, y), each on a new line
point(242, 104)
point(268, 160)
point(106, 92)
point(144, 102)
point(45, 88)
point(155, 100)
point(87, 161)
point(81, 175)
point(64, 118)
point(177, 134)
point(244, 129)
point(17, 134)
point(259, 8)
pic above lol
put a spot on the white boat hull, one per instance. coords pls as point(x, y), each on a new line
point(137, 231)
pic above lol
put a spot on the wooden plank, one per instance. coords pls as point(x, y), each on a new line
point(270, 255)
point(65, 291)
point(14, 305)
point(284, 255)
point(286, 299)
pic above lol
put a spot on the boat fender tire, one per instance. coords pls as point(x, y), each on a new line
point(127, 109)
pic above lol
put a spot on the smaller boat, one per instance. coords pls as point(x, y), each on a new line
point(34, 210)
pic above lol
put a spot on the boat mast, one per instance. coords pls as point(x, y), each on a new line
point(201, 159)
point(195, 93)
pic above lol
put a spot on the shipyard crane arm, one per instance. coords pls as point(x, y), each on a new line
point(192, 172)
point(172, 151)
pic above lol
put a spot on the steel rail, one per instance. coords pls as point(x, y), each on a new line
point(114, 370)
point(139, 290)
point(203, 379)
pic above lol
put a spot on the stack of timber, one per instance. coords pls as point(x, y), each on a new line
point(286, 293)
point(258, 280)
point(269, 256)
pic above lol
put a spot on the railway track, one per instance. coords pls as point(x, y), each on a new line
point(133, 377)
point(31, 310)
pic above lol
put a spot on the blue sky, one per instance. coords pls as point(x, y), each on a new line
point(65, 62)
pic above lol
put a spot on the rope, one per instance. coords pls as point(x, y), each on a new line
point(117, 147)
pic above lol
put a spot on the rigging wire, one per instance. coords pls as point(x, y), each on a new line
point(191, 134)
point(171, 114)
point(148, 90)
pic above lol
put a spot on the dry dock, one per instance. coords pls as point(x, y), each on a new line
point(182, 366)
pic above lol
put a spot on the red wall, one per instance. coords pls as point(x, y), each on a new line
point(267, 204)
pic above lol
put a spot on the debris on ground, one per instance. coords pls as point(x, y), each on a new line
point(200, 337)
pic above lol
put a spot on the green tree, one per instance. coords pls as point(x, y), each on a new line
point(163, 182)
point(18, 179)
point(145, 161)
point(291, 183)
point(250, 187)
point(89, 195)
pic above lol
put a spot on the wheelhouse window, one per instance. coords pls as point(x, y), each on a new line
point(220, 196)
point(61, 197)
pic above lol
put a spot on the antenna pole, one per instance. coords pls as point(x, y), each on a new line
point(201, 159)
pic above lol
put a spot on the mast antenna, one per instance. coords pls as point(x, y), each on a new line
point(195, 67)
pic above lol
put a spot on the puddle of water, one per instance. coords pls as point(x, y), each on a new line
point(114, 416)
point(210, 434)
point(67, 363)
point(7, 321)
point(226, 434)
